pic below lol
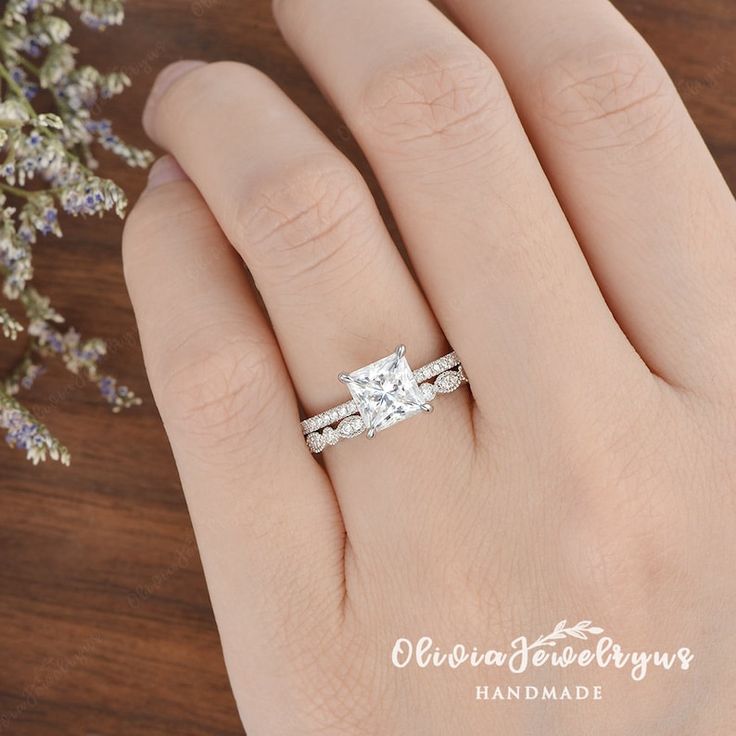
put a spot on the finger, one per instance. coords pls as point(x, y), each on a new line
point(265, 517)
point(337, 292)
point(650, 208)
point(479, 218)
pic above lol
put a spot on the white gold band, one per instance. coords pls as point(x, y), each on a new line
point(413, 392)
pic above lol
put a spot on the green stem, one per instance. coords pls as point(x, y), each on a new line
point(27, 194)
point(15, 191)
point(32, 68)
point(13, 85)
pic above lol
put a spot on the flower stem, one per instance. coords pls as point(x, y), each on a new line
point(15, 191)
point(13, 85)
point(32, 68)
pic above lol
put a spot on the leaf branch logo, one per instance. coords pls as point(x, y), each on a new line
point(581, 630)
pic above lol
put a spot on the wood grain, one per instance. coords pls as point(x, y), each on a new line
point(105, 623)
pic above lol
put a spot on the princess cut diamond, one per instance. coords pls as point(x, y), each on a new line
point(385, 392)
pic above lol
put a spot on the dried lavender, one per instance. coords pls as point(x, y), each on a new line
point(47, 167)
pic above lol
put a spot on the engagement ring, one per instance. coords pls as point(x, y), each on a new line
point(384, 393)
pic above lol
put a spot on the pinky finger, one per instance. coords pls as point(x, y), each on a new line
point(267, 523)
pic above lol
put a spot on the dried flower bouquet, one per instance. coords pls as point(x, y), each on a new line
point(48, 131)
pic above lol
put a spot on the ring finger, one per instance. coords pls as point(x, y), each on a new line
point(336, 289)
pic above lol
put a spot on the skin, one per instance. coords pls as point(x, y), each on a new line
point(574, 242)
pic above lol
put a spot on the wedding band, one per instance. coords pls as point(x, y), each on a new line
point(383, 393)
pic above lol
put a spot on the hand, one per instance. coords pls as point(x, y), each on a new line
point(576, 248)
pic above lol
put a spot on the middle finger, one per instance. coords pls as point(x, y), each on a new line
point(496, 256)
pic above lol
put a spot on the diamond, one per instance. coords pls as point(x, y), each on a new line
point(448, 381)
point(350, 427)
point(316, 442)
point(385, 392)
point(428, 391)
point(330, 436)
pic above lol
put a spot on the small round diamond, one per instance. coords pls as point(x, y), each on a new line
point(330, 436)
point(350, 427)
point(428, 391)
point(316, 442)
point(448, 381)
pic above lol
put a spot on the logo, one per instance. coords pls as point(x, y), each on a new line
point(581, 645)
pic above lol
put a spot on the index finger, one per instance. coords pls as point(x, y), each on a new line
point(266, 520)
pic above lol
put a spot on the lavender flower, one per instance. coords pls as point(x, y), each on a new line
point(46, 169)
point(26, 433)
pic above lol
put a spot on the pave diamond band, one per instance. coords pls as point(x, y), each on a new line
point(383, 393)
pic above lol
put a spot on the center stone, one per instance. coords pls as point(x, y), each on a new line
point(385, 392)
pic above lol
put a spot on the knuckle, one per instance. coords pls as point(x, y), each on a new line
point(628, 561)
point(447, 97)
point(308, 222)
point(216, 391)
point(626, 545)
point(610, 95)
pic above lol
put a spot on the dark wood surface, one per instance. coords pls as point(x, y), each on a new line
point(105, 622)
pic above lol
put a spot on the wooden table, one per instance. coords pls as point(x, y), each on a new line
point(105, 623)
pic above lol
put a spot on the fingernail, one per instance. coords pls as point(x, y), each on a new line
point(165, 171)
point(163, 82)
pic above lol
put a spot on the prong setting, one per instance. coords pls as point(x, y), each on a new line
point(385, 392)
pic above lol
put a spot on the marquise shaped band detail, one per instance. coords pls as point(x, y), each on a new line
point(383, 393)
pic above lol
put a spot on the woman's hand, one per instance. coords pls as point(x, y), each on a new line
point(574, 243)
